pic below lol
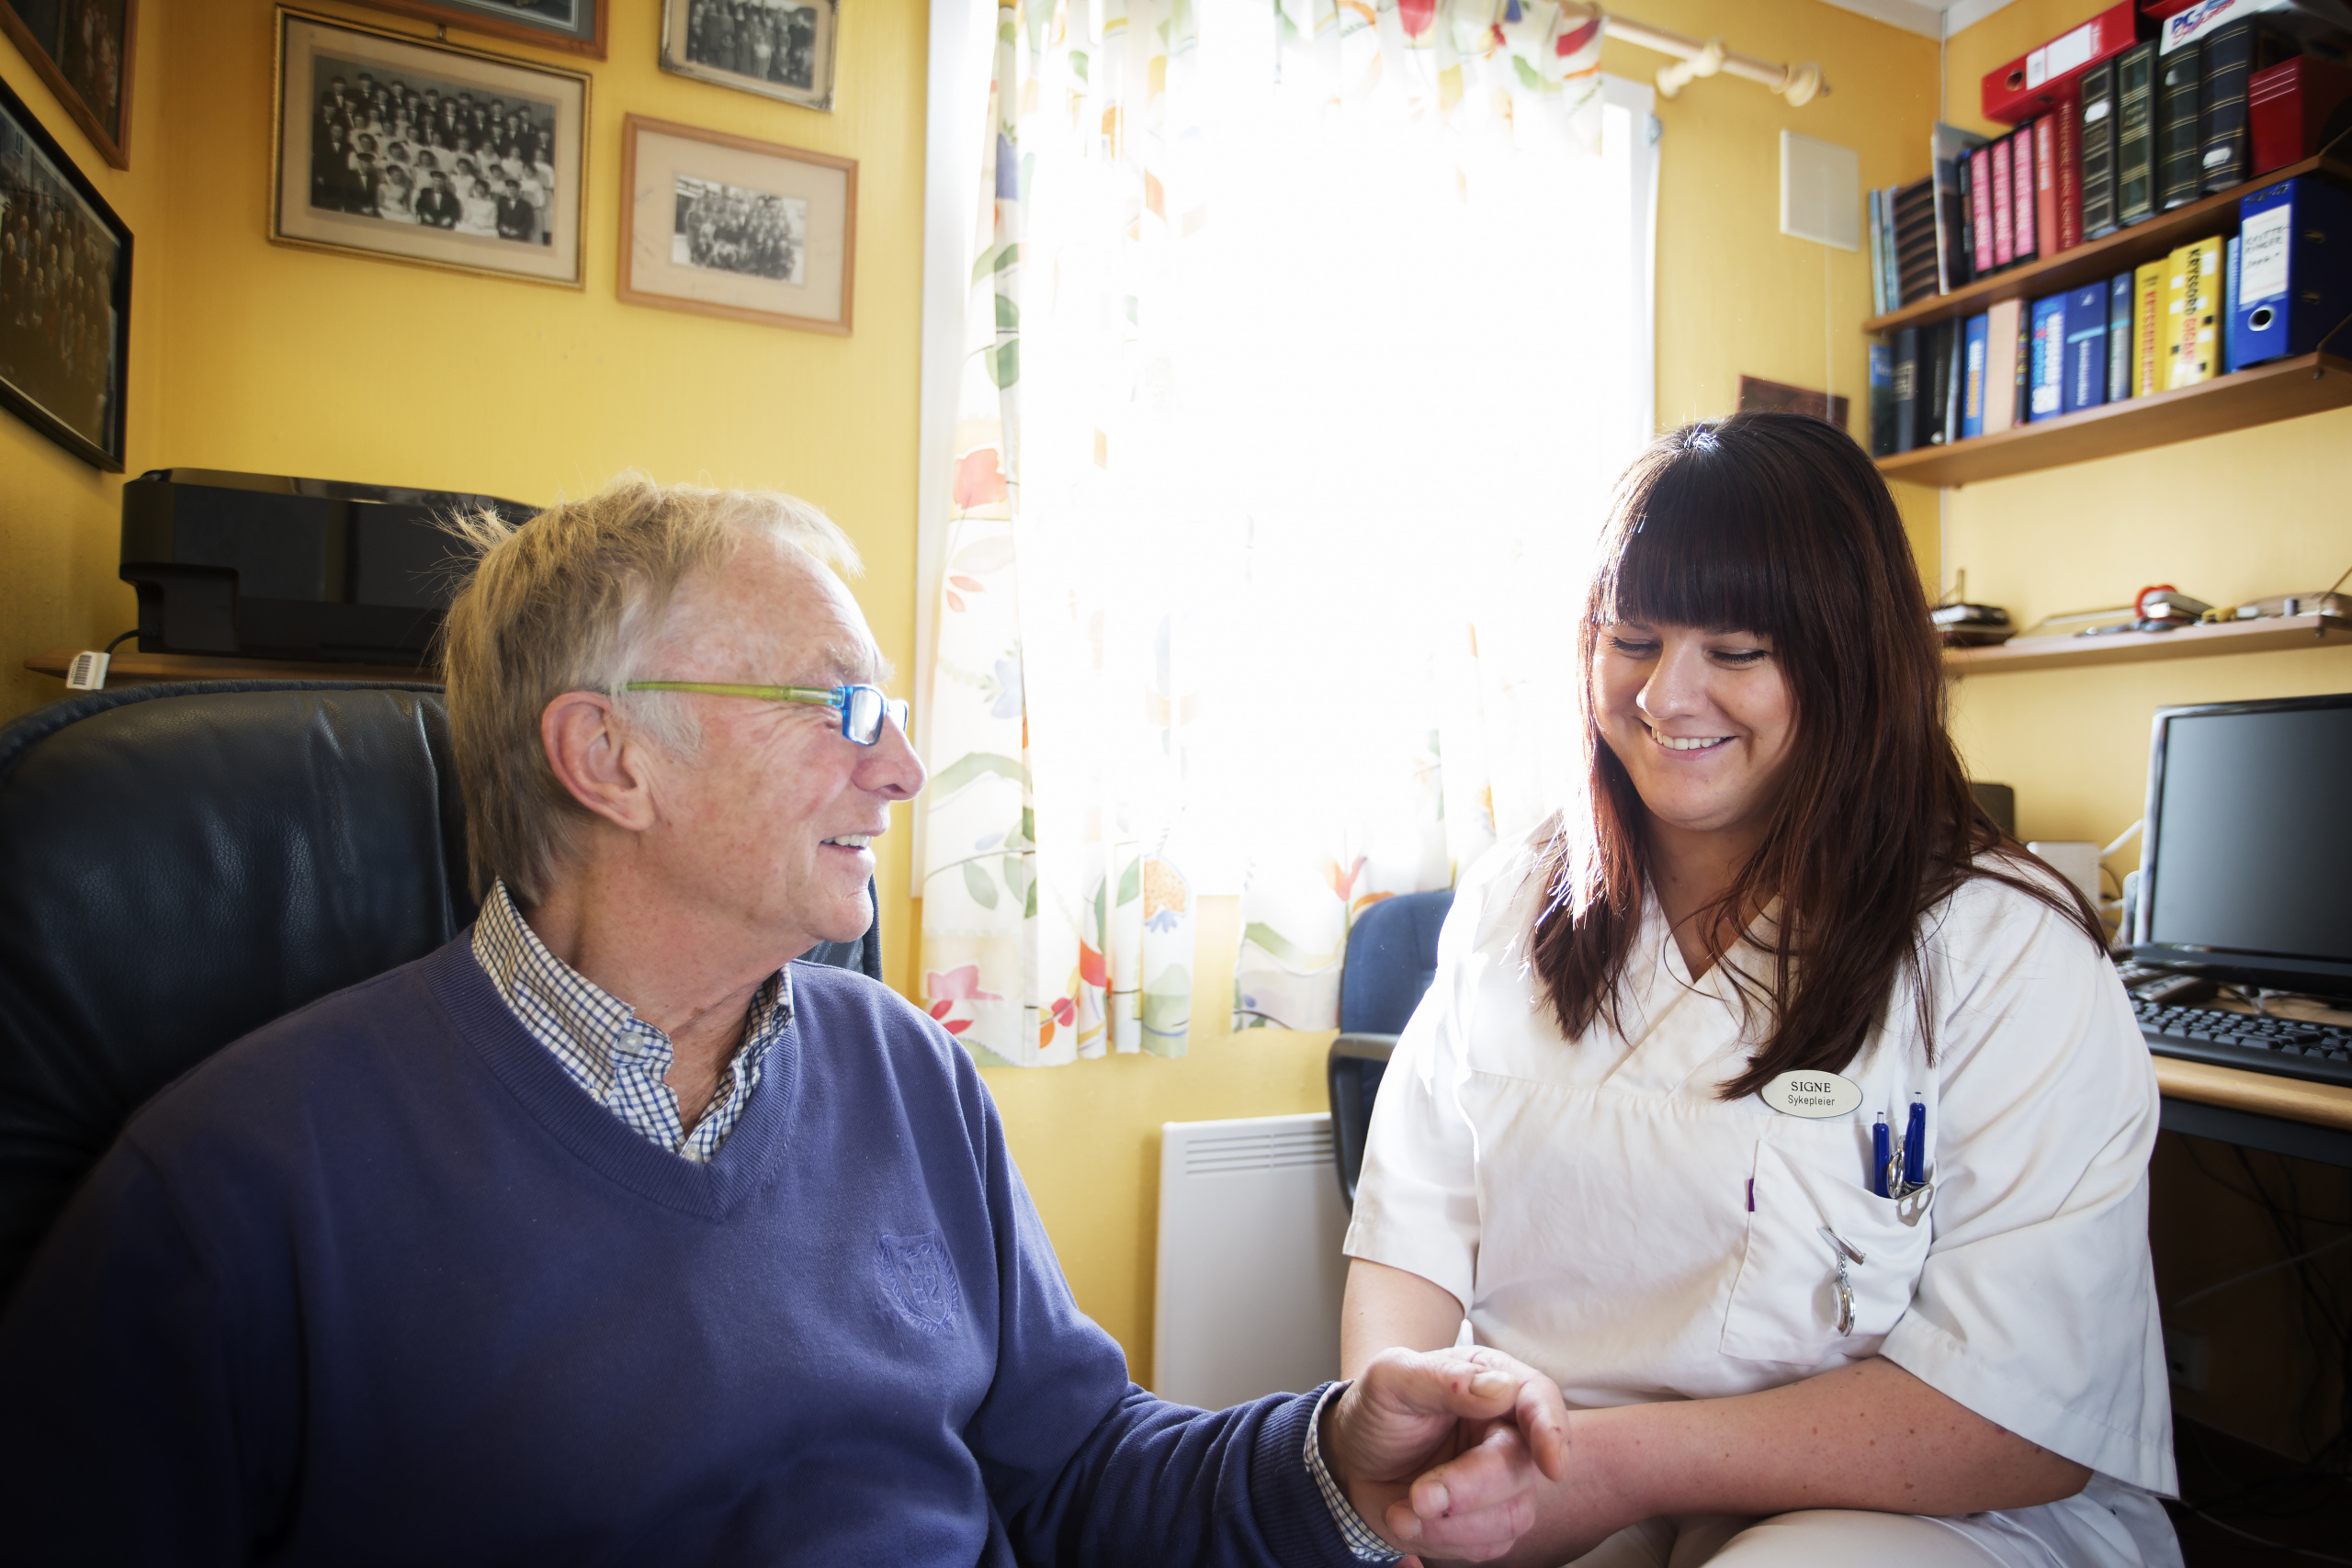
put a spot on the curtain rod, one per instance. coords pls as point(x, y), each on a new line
point(1798, 84)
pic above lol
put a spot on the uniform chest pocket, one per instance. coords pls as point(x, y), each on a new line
point(1786, 1304)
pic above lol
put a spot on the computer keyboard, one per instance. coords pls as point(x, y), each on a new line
point(2287, 1046)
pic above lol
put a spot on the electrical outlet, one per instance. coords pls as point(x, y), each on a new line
point(2188, 1359)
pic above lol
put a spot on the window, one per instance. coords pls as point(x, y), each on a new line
point(1311, 369)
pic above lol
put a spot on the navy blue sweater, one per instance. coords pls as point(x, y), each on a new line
point(379, 1284)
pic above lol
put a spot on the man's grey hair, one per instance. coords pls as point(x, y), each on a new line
point(577, 599)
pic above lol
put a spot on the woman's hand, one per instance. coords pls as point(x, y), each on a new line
point(1869, 1436)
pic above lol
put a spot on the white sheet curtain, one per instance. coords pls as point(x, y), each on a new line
point(1302, 343)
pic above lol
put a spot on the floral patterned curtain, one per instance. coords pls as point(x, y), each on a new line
point(1103, 714)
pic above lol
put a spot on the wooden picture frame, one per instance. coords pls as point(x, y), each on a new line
point(790, 55)
point(65, 294)
point(86, 58)
point(724, 225)
point(581, 33)
point(403, 149)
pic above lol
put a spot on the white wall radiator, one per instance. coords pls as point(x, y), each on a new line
point(1250, 1272)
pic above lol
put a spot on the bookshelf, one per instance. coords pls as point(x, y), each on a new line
point(2101, 259)
point(2283, 389)
point(2276, 634)
point(2286, 388)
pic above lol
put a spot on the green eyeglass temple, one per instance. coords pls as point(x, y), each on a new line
point(863, 708)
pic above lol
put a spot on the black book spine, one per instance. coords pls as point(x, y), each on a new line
point(2135, 134)
point(1906, 389)
point(2021, 383)
point(1935, 364)
point(1955, 377)
point(1914, 240)
point(1882, 400)
point(2229, 60)
point(2180, 141)
point(1964, 264)
point(2099, 150)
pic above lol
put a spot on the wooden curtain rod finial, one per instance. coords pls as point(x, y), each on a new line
point(1805, 84)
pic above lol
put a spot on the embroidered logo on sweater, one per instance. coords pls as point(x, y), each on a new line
point(919, 1278)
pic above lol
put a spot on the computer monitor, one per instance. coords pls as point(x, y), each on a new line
point(2246, 871)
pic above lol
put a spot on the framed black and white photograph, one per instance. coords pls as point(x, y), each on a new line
point(65, 294)
point(389, 146)
point(783, 49)
point(726, 226)
point(574, 26)
point(83, 51)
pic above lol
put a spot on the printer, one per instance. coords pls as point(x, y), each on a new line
point(267, 566)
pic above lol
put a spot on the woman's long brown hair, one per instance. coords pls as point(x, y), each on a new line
point(1779, 524)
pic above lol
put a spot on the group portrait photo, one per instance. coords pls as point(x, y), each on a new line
point(781, 49)
point(64, 286)
point(402, 148)
point(768, 40)
point(427, 151)
point(728, 229)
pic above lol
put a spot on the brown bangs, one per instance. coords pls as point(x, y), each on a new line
point(1693, 546)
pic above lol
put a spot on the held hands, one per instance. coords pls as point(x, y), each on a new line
point(1442, 1451)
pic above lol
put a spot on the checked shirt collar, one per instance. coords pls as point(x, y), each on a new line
point(602, 1044)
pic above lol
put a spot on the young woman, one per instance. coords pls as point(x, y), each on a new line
point(396, 195)
point(1633, 1131)
point(478, 212)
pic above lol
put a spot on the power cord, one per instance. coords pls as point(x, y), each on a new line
point(120, 640)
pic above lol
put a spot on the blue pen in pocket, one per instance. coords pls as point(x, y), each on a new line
point(1915, 1148)
point(1882, 1156)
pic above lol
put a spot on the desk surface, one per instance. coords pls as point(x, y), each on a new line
point(135, 666)
point(2264, 1094)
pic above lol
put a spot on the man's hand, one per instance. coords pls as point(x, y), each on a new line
point(1441, 1451)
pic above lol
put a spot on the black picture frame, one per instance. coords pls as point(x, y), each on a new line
point(519, 21)
point(49, 300)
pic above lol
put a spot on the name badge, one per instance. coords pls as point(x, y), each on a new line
point(1812, 1094)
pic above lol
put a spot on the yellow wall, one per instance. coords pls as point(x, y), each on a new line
point(257, 356)
point(2226, 518)
point(1734, 296)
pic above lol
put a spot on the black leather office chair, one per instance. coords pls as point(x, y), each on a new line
point(1392, 957)
point(181, 863)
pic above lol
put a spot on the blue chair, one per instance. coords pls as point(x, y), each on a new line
point(1392, 958)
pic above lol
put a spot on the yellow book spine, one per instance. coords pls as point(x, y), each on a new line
point(2193, 308)
point(2148, 358)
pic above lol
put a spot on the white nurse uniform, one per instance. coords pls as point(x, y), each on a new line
point(1606, 1218)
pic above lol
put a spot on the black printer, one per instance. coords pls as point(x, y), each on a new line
point(274, 568)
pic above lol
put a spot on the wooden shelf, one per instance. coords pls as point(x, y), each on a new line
point(2284, 389)
point(2133, 647)
point(139, 667)
point(2102, 258)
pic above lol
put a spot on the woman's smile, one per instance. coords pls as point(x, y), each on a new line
point(1700, 718)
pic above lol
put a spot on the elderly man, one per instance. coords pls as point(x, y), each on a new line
point(610, 1233)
